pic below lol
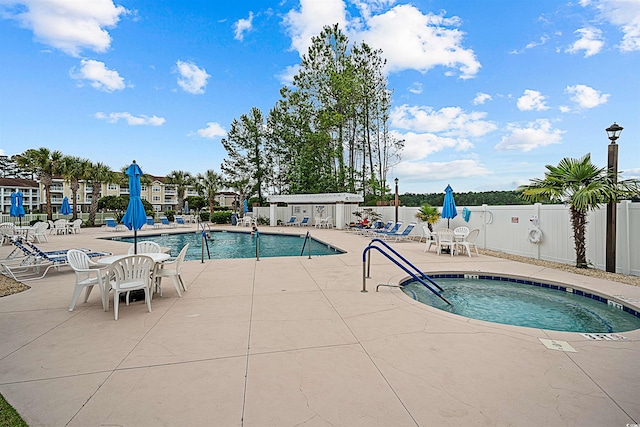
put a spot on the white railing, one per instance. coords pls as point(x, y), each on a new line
point(506, 229)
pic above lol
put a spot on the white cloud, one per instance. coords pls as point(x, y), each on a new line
point(531, 100)
point(448, 121)
point(416, 87)
point(68, 25)
point(131, 119)
point(309, 20)
point(565, 109)
point(212, 130)
point(242, 26)
point(438, 171)
point(590, 41)
point(418, 146)
point(631, 173)
point(534, 135)
point(624, 14)
point(586, 97)
point(413, 40)
point(408, 38)
point(481, 98)
point(285, 77)
point(99, 75)
point(192, 78)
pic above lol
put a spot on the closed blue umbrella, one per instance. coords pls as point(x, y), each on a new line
point(135, 216)
point(16, 210)
point(449, 207)
point(65, 209)
point(246, 206)
point(186, 207)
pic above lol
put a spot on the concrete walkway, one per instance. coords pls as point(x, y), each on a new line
point(293, 341)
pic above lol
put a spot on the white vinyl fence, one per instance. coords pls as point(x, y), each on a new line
point(507, 229)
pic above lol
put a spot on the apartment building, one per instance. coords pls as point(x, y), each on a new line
point(30, 193)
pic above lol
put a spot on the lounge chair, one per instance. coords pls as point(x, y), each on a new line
point(180, 221)
point(165, 222)
point(291, 221)
point(112, 225)
point(400, 235)
point(35, 263)
point(393, 230)
point(303, 223)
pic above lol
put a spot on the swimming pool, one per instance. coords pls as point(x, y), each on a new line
point(524, 302)
point(234, 244)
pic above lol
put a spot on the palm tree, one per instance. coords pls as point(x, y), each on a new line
point(428, 214)
point(207, 185)
point(582, 186)
point(73, 170)
point(181, 180)
point(100, 173)
point(45, 164)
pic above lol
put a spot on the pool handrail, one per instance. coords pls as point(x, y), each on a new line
point(423, 275)
point(307, 238)
point(405, 269)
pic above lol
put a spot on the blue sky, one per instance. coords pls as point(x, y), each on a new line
point(485, 93)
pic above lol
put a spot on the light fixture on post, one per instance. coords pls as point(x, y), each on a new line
point(397, 200)
point(613, 133)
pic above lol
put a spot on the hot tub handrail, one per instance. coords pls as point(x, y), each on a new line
point(412, 274)
point(423, 275)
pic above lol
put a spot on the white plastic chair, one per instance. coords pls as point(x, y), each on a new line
point(40, 232)
point(74, 227)
point(470, 242)
point(145, 247)
point(61, 226)
point(128, 274)
point(431, 238)
point(172, 269)
point(461, 232)
point(7, 232)
point(88, 274)
point(446, 239)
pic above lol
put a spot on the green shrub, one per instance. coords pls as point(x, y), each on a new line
point(171, 215)
point(204, 216)
point(222, 217)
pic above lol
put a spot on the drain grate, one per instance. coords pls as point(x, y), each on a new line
point(605, 337)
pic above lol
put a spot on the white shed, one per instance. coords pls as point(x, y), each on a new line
point(315, 206)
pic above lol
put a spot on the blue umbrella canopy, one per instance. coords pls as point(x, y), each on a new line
point(135, 216)
point(16, 210)
point(449, 207)
point(65, 209)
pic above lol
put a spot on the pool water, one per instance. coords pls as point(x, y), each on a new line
point(520, 304)
point(224, 245)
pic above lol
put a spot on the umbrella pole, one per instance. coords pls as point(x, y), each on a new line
point(135, 241)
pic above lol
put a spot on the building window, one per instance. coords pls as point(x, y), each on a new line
point(113, 186)
point(156, 198)
point(143, 188)
point(155, 189)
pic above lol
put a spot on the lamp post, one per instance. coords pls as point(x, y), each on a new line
point(397, 201)
point(613, 132)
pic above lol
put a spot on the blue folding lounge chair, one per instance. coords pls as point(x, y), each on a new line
point(112, 225)
point(291, 221)
point(180, 221)
point(400, 235)
point(392, 230)
point(303, 223)
point(30, 267)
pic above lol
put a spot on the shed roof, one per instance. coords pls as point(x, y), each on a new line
point(326, 198)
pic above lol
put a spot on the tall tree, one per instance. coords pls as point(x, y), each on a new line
point(245, 147)
point(583, 187)
point(73, 170)
point(99, 174)
point(208, 185)
point(45, 164)
point(181, 180)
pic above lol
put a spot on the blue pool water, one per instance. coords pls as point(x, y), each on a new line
point(527, 304)
point(223, 245)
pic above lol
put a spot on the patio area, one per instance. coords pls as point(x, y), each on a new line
point(293, 341)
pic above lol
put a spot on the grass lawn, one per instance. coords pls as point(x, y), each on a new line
point(8, 416)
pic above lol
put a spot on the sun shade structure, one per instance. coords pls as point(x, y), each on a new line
point(135, 216)
point(449, 210)
point(65, 209)
point(17, 210)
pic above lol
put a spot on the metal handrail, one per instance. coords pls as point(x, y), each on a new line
point(406, 270)
point(306, 238)
point(422, 274)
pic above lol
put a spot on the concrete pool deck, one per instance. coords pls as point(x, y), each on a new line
point(294, 341)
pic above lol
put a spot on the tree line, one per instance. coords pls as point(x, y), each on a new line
point(495, 198)
point(328, 132)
